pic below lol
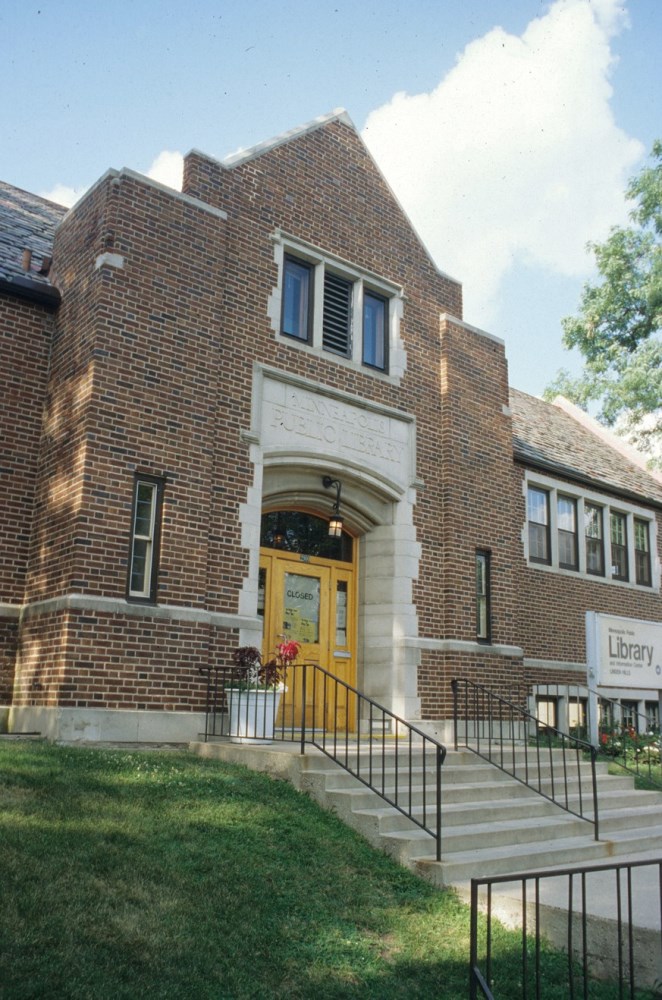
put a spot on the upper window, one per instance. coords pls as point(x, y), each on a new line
point(297, 299)
point(375, 325)
point(580, 532)
point(483, 625)
point(335, 308)
point(642, 552)
point(145, 537)
point(595, 549)
point(567, 529)
point(538, 514)
point(619, 546)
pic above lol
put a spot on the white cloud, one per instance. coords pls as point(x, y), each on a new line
point(63, 195)
point(168, 168)
point(515, 156)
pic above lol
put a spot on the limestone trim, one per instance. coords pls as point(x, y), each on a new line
point(448, 318)
point(10, 610)
point(361, 281)
point(118, 606)
point(87, 725)
point(575, 668)
point(462, 646)
point(115, 176)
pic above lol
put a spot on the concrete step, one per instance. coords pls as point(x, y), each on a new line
point(491, 823)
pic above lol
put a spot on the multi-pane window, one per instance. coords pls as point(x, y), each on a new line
point(579, 532)
point(297, 299)
point(566, 522)
point(642, 553)
point(538, 516)
point(375, 325)
point(145, 533)
point(483, 627)
point(331, 306)
point(593, 532)
point(619, 546)
point(546, 712)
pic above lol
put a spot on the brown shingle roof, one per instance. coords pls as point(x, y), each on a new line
point(545, 436)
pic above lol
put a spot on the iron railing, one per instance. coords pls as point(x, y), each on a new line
point(394, 758)
point(606, 918)
point(554, 764)
point(621, 733)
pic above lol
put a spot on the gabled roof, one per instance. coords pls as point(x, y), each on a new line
point(548, 436)
point(27, 222)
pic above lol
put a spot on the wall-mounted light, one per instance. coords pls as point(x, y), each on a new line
point(335, 521)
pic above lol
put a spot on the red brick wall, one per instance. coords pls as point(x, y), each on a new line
point(550, 623)
point(152, 370)
point(25, 339)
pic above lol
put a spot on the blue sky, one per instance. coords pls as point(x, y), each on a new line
point(507, 128)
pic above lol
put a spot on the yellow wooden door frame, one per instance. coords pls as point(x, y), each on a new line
point(337, 621)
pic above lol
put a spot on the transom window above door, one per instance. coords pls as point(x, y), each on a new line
point(331, 307)
point(304, 534)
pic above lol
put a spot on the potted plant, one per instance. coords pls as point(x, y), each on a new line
point(255, 691)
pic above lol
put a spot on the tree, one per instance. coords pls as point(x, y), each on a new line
point(619, 324)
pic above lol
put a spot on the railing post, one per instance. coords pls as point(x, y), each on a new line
point(454, 689)
point(440, 760)
point(594, 754)
point(303, 708)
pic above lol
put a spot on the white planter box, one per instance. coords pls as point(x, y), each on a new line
point(252, 715)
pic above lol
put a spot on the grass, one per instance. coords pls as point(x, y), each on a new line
point(161, 875)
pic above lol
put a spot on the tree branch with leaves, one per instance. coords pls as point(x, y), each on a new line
point(619, 323)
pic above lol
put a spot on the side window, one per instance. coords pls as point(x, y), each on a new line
point(567, 530)
point(595, 550)
point(297, 299)
point(538, 516)
point(642, 553)
point(619, 546)
point(483, 616)
point(375, 331)
point(145, 538)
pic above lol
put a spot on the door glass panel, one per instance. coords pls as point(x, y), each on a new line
point(261, 591)
point(301, 608)
point(341, 613)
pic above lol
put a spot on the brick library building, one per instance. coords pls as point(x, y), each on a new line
point(253, 408)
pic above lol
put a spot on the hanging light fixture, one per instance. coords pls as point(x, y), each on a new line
point(335, 521)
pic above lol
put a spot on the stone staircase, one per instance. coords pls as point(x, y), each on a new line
point(491, 823)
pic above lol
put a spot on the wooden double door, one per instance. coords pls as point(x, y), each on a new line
point(312, 601)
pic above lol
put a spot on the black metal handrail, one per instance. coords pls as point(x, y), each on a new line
point(389, 755)
point(499, 731)
point(629, 738)
point(623, 944)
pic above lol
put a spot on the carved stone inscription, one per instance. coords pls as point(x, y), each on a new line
point(294, 417)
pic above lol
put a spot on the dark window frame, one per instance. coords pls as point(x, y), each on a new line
point(484, 596)
point(643, 567)
point(534, 526)
point(595, 543)
point(564, 534)
point(385, 302)
point(157, 483)
point(620, 556)
point(291, 259)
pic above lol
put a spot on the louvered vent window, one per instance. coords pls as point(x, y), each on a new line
point(336, 334)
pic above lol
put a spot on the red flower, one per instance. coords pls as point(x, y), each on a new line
point(288, 651)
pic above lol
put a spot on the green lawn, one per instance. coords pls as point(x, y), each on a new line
point(161, 875)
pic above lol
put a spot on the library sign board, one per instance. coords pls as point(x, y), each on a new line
point(624, 652)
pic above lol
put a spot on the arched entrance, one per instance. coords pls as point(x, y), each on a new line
point(307, 592)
